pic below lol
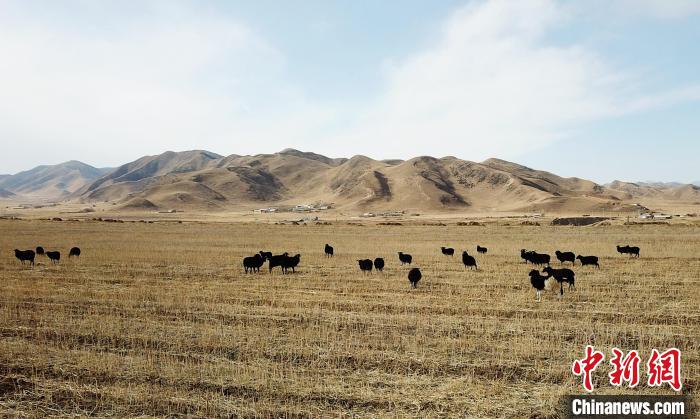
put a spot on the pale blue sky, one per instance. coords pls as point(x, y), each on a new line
point(597, 89)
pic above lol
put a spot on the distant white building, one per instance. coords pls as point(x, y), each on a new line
point(264, 210)
point(650, 216)
point(303, 208)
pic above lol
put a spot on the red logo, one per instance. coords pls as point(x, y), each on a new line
point(624, 369)
point(665, 368)
point(661, 368)
point(587, 365)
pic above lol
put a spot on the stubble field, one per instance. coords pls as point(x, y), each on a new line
point(160, 320)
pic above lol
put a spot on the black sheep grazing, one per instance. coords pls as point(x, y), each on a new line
point(540, 258)
point(290, 262)
point(538, 283)
point(414, 276)
point(468, 260)
point(566, 257)
point(329, 250)
point(275, 260)
point(405, 258)
point(524, 255)
point(447, 251)
point(561, 275)
point(25, 256)
point(54, 257)
point(365, 265)
point(379, 264)
point(588, 260)
point(39, 250)
point(534, 257)
point(631, 250)
point(253, 263)
point(74, 251)
point(481, 250)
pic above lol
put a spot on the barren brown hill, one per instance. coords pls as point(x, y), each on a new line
point(51, 182)
point(4, 193)
point(206, 181)
point(632, 191)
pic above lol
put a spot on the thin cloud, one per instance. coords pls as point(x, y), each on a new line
point(108, 82)
point(494, 86)
point(169, 77)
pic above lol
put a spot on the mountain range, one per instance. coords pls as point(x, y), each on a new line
point(202, 180)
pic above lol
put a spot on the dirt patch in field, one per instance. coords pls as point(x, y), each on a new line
point(577, 221)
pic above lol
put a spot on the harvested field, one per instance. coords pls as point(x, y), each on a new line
point(159, 319)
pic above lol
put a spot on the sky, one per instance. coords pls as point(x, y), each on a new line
point(599, 89)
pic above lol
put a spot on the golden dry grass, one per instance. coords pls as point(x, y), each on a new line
point(159, 319)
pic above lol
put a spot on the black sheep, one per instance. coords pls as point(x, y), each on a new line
point(39, 250)
point(538, 283)
point(54, 257)
point(562, 275)
point(534, 257)
point(405, 258)
point(481, 250)
point(379, 264)
point(25, 256)
point(566, 257)
point(588, 260)
point(447, 251)
point(329, 250)
point(275, 260)
point(468, 260)
point(290, 262)
point(631, 250)
point(414, 276)
point(365, 265)
point(253, 263)
point(74, 251)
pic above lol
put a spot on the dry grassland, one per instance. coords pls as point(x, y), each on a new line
point(159, 319)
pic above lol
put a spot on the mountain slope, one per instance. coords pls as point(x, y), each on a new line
point(202, 180)
point(656, 191)
point(207, 181)
point(4, 193)
point(51, 182)
point(146, 172)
